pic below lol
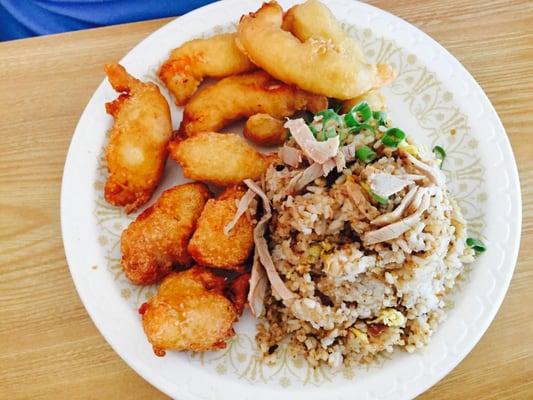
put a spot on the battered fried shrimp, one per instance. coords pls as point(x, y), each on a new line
point(210, 246)
point(316, 65)
point(223, 159)
point(189, 312)
point(158, 238)
point(242, 96)
point(313, 20)
point(265, 130)
point(216, 56)
point(137, 148)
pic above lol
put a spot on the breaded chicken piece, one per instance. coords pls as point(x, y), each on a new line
point(209, 245)
point(158, 238)
point(242, 96)
point(216, 56)
point(137, 147)
point(220, 158)
point(189, 312)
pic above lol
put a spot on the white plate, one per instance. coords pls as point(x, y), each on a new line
point(432, 95)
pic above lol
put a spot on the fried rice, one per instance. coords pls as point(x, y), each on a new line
point(358, 294)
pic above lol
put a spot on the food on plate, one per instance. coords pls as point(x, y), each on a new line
point(158, 238)
point(189, 312)
point(312, 20)
point(137, 147)
point(365, 237)
point(223, 159)
point(336, 70)
point(265, 130)
point(216, 56)
point(211, 245)
point(240, 96)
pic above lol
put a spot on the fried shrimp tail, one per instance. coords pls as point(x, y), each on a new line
point(157, 240)
point(242, 96)
point(189, 312)
point(335, 70)
point(137, 147)
point(216, 57)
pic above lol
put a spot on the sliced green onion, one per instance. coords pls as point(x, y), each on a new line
point(476, 244)
point(321, 136)
point(365, 154)
point(378, 198)
point(343, 134)
point(351, 120)
point(313, 129)
point(440, 153)
point(393, 137)
point(380, 116)
point(364, 111)
point(330, 132)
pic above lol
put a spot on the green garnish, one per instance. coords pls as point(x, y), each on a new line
point(476, 244)
point(440, 153)
point(329, 116)
point(365, 154)
point(378, 198)
point(393, 137)
point(380, 117)
point(359, 113)
point(330, 132)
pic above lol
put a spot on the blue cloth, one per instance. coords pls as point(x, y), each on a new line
point(24, 18)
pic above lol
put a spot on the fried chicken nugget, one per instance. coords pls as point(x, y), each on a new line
point(158, 238)
point(216, 57)
point(137, 148)
point(189, 312)
point(210, 246)
point(242, 96)
point(223, 159)
point(318, 66)
point(265, 130)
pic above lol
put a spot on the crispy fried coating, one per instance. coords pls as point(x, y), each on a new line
point(189, 312)
point(265, 130)
point(316, 65)
point(137, 148)
point(242, 96)
point(216, 56)
point(209, 245)
point(238, 291)
point(223, 159)
point(158, 238)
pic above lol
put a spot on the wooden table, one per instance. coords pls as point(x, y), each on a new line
point(50, 349)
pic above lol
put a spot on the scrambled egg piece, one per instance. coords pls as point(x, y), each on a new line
point(360, 335)
point(390, 317)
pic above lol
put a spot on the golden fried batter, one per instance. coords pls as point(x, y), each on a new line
point(209, 245)
point(216, 56)
point(316, 65)
point(189, 312)
point(265, 130)
point(242, 96)
point(137, 148)
point(220, 158)
point(158, 238)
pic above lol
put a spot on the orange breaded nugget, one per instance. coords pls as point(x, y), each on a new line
point(210, 246)
point(265, 130)
point(189, 312)
point(158, 238)
point(242, 96)
point(220, 158)
point(137, 148)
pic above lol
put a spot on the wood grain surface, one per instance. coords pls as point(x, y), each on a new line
point(50, 349)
